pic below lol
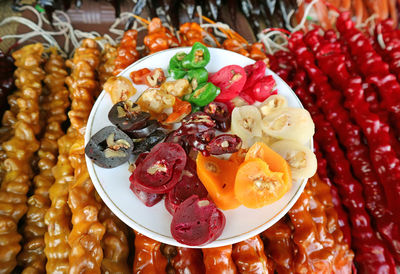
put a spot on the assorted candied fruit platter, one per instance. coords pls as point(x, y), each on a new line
point(203, 142)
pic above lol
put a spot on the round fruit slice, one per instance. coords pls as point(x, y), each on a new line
point(275, 162)
point(246, 123)
point(187, 186)
point(230, 80)
point(272, 103)
point(127, 115)
point(161, 169)
point(109, 147)
point(290, 124)
point(257, 186)
point(148, 199)
point(197, 222)
point(302, 161)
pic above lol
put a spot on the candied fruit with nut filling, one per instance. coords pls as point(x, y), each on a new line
point(127, 116)
point(109, 147)
point(197, 222)
point(161, 170)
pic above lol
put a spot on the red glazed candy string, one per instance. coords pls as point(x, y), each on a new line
point(364, 240)
point(378, 138)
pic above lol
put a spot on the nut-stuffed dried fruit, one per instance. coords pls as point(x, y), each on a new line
point(127, 116)
point(155, 78)
point(119, 88)
point(199, 141)
point(231, 80)
point(149, 199)
point(246, 123)
point(195, 123)
point(187, 186)
point(177, 88)
point(224, 143)
point(197, 222)
point(161, 169)
point(289, 123)
point(155, 100)
point(109, 147)
point(272, 103)
point(219, 112)
point(301, 160)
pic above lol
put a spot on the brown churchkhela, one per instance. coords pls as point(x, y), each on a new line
point(54, 104)
point(19, 151)
point(115, 241)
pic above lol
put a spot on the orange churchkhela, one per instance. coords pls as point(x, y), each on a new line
point(33, 258)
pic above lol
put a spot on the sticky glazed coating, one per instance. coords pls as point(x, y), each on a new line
point(32, 258)
point(58, 216)
point(85, 238)
point(115, 240)
point(107, 63)
point(19, 151)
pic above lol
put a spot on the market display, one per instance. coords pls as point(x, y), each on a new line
point(346, 75)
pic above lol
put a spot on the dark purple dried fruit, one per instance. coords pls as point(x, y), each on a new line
point(199, 141)
point(224, 143)
point(127, 116)
point(109, 147)
point(195, 123)
point(219, 112)
point(149, 142)
point(145, 130)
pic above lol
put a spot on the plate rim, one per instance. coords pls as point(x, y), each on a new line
point(155, 235)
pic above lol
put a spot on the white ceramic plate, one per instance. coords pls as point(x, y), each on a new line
point(154, 222)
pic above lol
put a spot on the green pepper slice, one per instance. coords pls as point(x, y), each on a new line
point(175, 68)
point(203, 95)
point(198, 57)
point(195, 108)
point(197, 77)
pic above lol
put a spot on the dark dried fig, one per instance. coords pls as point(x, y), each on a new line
point(109, 147)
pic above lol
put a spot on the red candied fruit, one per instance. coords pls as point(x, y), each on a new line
point(161, 170)
point(197, 222)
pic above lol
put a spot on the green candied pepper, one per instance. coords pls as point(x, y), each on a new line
point(197, 77)
point(198, 57)
point(195, 108)
point(175, 68)
point(203, 95)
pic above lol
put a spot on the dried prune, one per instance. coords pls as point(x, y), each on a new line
point(219, 112)
point(195, 123)
point(161, 169)
point(187, 186)
point(224, 143)
point(127, 116)
point(197, 222)
point(149, 142)
point(148, 128)
point(109, 147)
